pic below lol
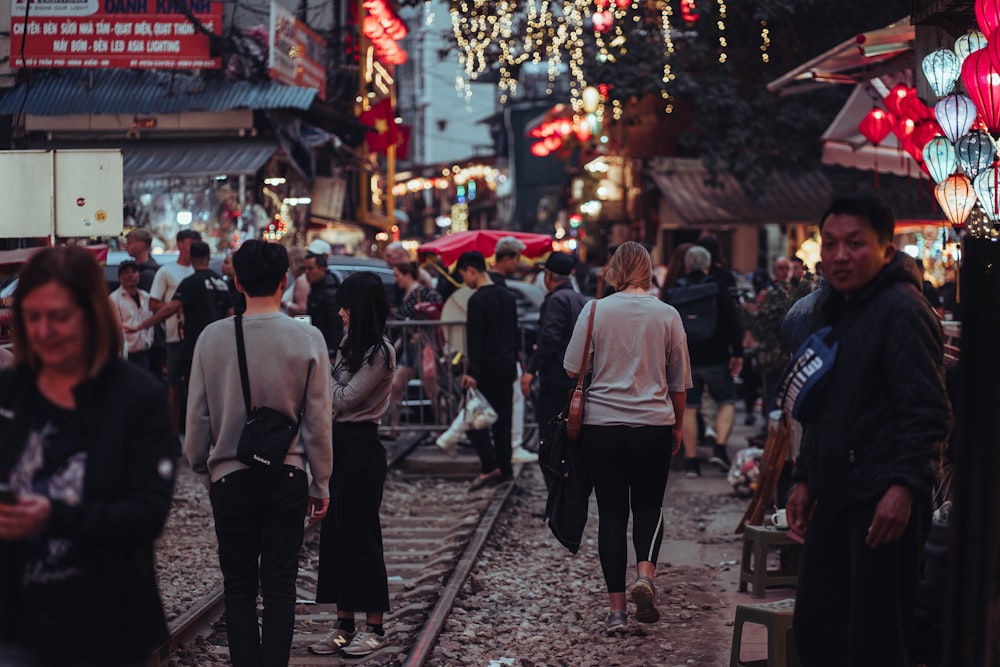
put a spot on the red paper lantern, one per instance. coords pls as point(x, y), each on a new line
point(876, 126)
point(904, 129)
point(981, 79)
point(988, 16)
point(912, 106)
point(924, 132)
point(893, 101)
point(623, 4)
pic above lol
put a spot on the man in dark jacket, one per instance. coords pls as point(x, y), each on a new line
point(871, 447)
point(321, 304)
point(716, 358)
point(559, 313)
point(491, 331)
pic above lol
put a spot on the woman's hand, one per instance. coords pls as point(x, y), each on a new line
point(468, 382)
point(28, 517)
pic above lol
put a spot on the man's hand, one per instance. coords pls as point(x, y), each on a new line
point(468, 382)
point(27, 518)
point(317, 507)
point(735, 366)
point(678, 437)
point(526, 379)
point(799, 509)
point(891, 516)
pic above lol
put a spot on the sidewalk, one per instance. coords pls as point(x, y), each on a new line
point(722, 547)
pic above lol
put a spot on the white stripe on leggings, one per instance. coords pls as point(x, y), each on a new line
point(652, 542)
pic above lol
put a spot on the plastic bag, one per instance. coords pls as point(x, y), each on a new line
point(745, 471)
point(479, 413)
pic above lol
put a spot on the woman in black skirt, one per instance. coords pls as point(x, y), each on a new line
point(351, 563)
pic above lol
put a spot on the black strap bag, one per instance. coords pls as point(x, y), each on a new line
point(267, 433)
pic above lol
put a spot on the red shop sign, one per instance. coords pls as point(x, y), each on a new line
point(112, 33)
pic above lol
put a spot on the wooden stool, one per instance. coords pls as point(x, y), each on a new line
point(757, 540)
point(777, 618)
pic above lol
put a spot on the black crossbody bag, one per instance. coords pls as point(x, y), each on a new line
point(267, 434)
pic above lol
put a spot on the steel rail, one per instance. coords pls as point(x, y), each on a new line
point(420, 653)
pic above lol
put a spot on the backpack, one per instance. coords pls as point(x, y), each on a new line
point(698, 305)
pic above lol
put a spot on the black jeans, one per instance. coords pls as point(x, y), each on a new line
point(629, 467)
point(259, 521)
point(855, 605)
point(498, 394)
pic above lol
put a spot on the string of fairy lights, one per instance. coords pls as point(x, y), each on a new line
point(514, 32)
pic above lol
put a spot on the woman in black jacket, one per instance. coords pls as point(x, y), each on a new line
point(87, 450)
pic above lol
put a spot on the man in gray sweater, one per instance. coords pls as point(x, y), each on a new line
point(259, 512)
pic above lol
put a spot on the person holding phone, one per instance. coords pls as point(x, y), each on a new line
point(86, 452)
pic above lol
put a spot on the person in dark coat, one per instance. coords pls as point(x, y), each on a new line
point(558, 315)
point(321, 305)
point(871, 447)
point(493, 346)
point(86, 445)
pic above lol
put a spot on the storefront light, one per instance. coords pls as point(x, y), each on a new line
point(184, 218)
point(592, 207)
point(274, 181)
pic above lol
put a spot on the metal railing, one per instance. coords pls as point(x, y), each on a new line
point(430, 360)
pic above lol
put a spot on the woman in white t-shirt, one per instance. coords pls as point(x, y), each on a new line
point(632, 422)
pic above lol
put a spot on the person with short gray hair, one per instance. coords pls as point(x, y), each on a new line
point(697, 259)
point(715, 345)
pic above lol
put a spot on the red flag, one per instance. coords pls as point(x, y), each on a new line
point(381, 118)
point(402, 141)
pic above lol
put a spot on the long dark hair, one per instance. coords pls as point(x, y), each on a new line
point(363, 295)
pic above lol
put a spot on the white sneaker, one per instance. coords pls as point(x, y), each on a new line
point(365, 643)
point(522, 455)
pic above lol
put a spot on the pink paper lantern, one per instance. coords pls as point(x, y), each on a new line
point(988, 16)
point(982, 82)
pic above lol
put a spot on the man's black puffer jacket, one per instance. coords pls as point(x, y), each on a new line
point(321, 305)
point(884, 412)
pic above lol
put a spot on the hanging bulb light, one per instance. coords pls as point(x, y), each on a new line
point(975, 152)
point(969, 42)
point(942, 69)
point(956, 198)
point(955, 114)
point(985, 185)
point(939, 156)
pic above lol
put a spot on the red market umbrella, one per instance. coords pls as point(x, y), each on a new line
point(485, 240)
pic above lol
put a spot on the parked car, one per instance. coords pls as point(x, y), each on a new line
point(344, 265)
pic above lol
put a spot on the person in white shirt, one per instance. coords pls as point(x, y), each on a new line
point(165, 283)
point(131, 304)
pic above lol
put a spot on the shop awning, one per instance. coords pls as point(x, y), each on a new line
point(786, 199)
point(204, 158)
point(865, 56)
point(844, 145)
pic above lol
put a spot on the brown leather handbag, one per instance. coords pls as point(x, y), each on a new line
point(574, 413)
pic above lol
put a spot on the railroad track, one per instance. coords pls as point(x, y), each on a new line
point(433, 531)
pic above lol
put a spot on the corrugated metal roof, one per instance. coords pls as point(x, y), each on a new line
point(63, 92)
point(205, 158)
point(786, 199)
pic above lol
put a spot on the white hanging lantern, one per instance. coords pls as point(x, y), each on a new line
point(975, 152)
point(939, 156)
point(985, 185)
point(942, 69)
point(969, 42)
point(955, 114)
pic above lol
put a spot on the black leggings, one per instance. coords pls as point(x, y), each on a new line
point(629, 467)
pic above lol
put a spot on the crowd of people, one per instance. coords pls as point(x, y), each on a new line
point(97, 393)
